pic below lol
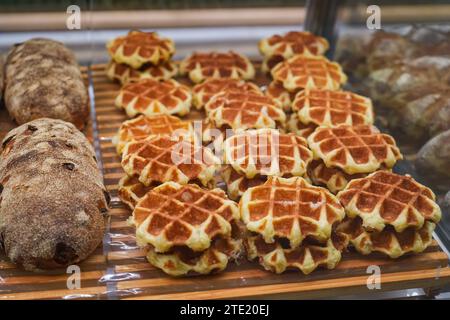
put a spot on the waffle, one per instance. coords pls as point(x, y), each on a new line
point(292, 43)
point(391, 243)
point(237, 183)
point(385, 198)
point(138, 48)
point(280, 95)
point(130, 191)
point(202, 93)
point(294, 125)
point(333, 179)
point(304, 72)
point(151, 97)
point(124, 73)
point(307, 257)
point(290, 209)
point(332, 108)
point(212, 260)
point(357, 149)
point(267, 152)
point(162, 159)
point(270, 62)
point(201, 66)
point(183, 216)
point(244, 110)
point(143, 127)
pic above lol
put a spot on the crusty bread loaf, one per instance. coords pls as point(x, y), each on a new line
point(1, 78)
point(52, 198)
point(43, 79)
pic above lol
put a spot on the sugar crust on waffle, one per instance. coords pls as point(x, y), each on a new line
point(162, 159)
point(330, 108)
point(291, 209)
point(173, 215)
point(304, 72)
point(292, 43)
point(149, 97)
point(138, 48)
point(354, 149)
point(203, 92)
point(267, 152)
point(203, 65)
point(386, 198)
point(244, 110)
point(143, 127)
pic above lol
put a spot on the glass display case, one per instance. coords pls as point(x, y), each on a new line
point(397, 54)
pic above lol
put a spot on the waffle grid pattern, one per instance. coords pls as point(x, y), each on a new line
point(162, 159)
point(354, 149)
point(303, 72)
point(332, 108)
point(201, 66)
point(244, 110)
point(151, 97)
point(174, 215)
point(267, 152)
point(291, 209)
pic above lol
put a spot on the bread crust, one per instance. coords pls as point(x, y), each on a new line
point(52, 197)
point(43, 79)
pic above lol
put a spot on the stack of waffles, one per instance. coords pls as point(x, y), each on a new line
point(251, 156)
point(292, 224)
point(141, 55)
point(389, 213)
point(307, 187)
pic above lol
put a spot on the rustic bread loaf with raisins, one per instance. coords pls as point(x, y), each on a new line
point(43, 79)
point(52, 197)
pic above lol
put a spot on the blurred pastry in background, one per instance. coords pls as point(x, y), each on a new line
point(434, 157)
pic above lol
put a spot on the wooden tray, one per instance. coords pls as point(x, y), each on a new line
point(132, 277)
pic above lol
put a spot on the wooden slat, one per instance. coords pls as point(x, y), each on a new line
point(247, 279)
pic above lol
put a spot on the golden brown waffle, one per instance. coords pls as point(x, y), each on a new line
point(385, 198)
point(280, 95)
point(143, 127)
point(124, 73)
point(305, 72)
point(294, 125)
point(237, 183)
point(244, 110)
point(162, 159)
point(152, 97)
point(332, 108)
point(267, 152)
point(181, 262)
point(354, 149)
point(292, 43)
point(290, 209)
point(203, 92)
point(203, 65)
point(333, 179)
point(131, 190)
point(173, 216)
point(388, 241)
point(138, 48)
point(307, 257)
